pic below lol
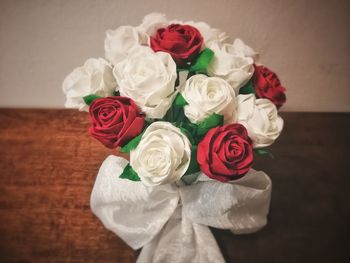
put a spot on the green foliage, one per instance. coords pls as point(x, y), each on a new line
point(202, 62)
point(247, 89)
point(127, 148)
point(263, 151)
point(90, 98)
point(129, 174)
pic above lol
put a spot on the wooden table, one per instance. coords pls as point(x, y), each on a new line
point(48, 164)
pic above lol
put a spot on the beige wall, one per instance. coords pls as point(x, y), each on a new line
point(306, 42)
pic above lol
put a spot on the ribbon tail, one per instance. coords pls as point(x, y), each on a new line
point(182, 241)
point(136, 213)
point(241, 206)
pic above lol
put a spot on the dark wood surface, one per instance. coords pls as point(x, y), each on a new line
point(48, 164)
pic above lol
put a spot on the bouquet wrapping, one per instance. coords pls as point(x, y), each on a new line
point(186, 111)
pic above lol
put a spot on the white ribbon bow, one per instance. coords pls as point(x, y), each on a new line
point(171, 222)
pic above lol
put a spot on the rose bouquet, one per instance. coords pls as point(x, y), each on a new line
point(186, 111)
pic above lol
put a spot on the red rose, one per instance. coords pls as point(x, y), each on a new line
point(182, 42)
point(267, 85)
point(115, 120)
point(226, 152)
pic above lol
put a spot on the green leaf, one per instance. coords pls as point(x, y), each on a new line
point(129, 173)
point(90, 98)
point(247, 89)
point(169, 116)
point(190, 127)
point(180, 117)
point(127, 148)
point(116, 93)
point(202, 61)
point(180, 100)
point(187, 133)
point(212, 121)
point(262, 151)
point(175, 113)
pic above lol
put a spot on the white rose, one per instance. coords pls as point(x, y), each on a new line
point(242, 49)
point(208, 33)
point(261, 119)
point(152, 22)
point(148, 78)
point(231, 63)
point(208, 95)
point(94, 77)
point(119, 42)
point(162, 156)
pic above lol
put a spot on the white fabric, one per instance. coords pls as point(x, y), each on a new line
point(171, 222)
